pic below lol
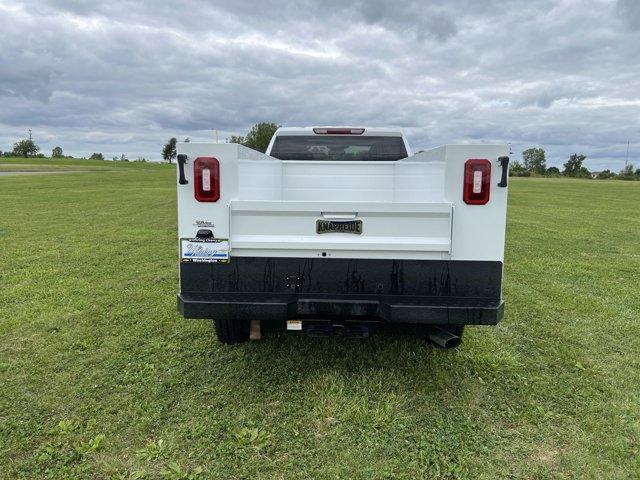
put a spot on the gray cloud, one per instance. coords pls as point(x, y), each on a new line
point(418, 18)
point(123, 76)
point(629, 11)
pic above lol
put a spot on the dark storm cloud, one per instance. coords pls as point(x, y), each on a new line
point(123, 76)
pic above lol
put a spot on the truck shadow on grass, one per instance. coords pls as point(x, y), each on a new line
point(399, 364)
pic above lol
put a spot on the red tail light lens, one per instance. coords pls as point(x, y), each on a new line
point(477, 181)
point(206, 179)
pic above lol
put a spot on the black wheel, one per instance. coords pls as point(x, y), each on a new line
point(232, 331)
point(446, 336)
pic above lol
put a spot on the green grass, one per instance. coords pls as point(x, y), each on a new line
point(101, 378)
point(47, 164)
point(26, 167)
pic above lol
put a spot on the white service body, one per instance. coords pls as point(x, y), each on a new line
point(413, 241)
point(411, 208)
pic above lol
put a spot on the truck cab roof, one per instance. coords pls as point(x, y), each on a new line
point(329, 129)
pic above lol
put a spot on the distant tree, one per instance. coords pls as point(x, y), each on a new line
point(123, 158)
point(235, 139)
point(517, 170)
point(25, 147)
point(605, 174)
point(574, 168)
point(552, 171)
point(258, 137)
point(584, 173)
point(535, 160)
point(96, 156)
point(169, 151)
point(627, 173)
point(56, 152)
point(187, 140)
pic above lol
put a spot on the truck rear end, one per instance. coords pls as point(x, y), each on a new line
point(341, 231)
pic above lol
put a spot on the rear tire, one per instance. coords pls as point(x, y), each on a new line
point(232, 332)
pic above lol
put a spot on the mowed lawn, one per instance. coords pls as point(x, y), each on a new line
point(101, 378)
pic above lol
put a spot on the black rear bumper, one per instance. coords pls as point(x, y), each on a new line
point(391, 291)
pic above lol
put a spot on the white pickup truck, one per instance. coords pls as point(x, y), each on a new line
point(342, 231)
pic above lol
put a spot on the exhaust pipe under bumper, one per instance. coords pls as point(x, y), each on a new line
point(444, 338)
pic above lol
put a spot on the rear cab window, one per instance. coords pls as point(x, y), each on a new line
point(338, 148)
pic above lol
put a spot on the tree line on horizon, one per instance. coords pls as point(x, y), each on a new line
point(534, 162)
point(28, 148)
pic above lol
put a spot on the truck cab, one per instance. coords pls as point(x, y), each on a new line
point(341, 231)
point(338, 144)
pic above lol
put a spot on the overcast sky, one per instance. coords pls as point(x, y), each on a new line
point(124, 76)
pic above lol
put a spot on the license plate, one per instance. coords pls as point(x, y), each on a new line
point(204, 250)
point(336, 226)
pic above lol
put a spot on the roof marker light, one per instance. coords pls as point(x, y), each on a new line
point(338, 131)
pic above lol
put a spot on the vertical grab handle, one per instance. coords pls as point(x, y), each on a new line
point(504, 163)
point(182, 159)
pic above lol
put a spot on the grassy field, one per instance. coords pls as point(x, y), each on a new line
point(35, 164)
point(101, 378)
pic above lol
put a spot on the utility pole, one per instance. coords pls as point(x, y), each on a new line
point(30, 138)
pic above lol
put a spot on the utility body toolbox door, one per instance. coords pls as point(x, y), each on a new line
point(353, 229)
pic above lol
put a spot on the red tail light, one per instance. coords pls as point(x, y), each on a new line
point(206, 179)
point(477, 181)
